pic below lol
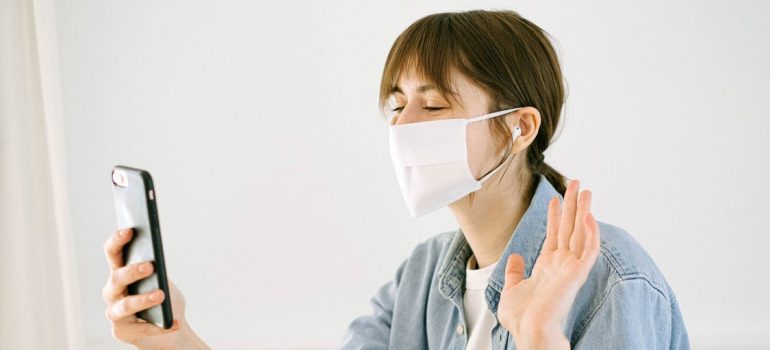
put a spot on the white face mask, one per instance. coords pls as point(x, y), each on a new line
point(431, 161)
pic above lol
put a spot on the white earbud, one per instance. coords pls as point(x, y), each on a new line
point(516, 132)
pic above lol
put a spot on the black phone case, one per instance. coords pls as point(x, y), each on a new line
point(136, 207)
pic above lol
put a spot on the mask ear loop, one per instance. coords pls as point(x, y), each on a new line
point(516, 133)
point(491, 115)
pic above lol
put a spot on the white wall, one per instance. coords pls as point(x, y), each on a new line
point(280, 212)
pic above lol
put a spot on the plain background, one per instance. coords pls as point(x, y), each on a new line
point(280, 211)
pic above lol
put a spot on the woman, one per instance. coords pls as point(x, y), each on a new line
point(476, 98)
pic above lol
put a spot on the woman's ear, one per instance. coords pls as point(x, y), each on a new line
point(529, 122)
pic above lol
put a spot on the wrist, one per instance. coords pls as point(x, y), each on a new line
point(541, 339)
point(189, 340)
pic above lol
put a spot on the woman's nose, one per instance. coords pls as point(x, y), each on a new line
point(410, 114)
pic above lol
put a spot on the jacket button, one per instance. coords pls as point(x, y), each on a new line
point(460, 329)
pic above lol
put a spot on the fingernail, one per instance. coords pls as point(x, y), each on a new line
point(144, 267)
point(122, 233)
point(156, 295)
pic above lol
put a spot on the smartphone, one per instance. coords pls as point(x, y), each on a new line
point(136, 207)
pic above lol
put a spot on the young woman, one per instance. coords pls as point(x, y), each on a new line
point(474, 94)
point(476, 98)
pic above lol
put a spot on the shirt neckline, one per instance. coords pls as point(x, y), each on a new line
point(477, 279)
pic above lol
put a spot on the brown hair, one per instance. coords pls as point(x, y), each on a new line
point(506, 55)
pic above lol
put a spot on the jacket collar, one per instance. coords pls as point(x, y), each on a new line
point(526, 241)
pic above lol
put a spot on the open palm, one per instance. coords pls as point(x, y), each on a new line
point(539, 305)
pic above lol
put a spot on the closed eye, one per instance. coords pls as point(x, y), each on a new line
point(431, 109)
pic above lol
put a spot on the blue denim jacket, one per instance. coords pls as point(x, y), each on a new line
point(626, 303)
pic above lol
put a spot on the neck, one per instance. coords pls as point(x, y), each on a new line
point(497, 208)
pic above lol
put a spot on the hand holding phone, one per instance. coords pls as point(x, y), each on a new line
point(136, 208)
point(138, 293)
point(141, 301)
point(122, 307)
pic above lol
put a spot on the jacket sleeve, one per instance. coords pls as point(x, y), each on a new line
point(372, 331)
point(634, 315)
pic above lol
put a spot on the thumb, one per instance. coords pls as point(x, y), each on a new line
point(514, 270)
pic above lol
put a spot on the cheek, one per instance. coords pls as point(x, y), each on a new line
point(480, 150)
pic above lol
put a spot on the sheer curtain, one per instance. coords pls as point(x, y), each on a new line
point(38, 306)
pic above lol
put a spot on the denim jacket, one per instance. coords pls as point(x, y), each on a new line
point(625, 303)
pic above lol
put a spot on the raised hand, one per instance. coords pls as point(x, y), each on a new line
point(535, 309)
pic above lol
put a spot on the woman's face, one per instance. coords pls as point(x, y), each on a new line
point(416, 101)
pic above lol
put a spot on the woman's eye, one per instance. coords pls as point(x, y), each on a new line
point(431, 109)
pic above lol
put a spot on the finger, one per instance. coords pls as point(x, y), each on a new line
point(579, 234)
point(567, 222)
point(120, 278)
point(593, 240)
point(132, 332)
point(552, 230)
point(113, 247)
point(514, 270)
point(133, 304)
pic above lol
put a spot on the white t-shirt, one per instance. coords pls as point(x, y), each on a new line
point(479, 319)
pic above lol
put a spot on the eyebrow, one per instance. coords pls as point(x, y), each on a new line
point(421, 89)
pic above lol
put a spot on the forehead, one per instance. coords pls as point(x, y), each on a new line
point(412, 81)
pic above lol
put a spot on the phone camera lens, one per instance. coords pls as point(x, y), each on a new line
point(118, 179)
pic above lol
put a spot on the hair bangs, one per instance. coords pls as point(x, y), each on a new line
point(426, 48)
